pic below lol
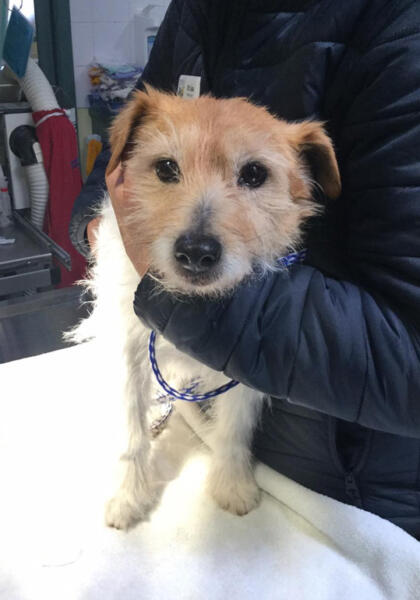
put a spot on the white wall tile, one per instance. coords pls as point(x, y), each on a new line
point(102, 30)
point(134, 6)
point(82, 83)
point(113, 42)
point(111, 11)
point(82, 37)
point(80, 11)
point(139, 5)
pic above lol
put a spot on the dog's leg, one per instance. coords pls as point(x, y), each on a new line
point(231, 479)
point(134, 497)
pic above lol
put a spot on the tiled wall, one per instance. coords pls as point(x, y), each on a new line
point(102, 30)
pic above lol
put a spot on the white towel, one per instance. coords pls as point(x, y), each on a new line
point(298, 545)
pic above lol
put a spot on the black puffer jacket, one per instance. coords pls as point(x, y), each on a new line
point(336, 341)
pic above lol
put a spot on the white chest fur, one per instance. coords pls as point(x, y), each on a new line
point(234, 415)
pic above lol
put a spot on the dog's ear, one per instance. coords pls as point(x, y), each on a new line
point(315, 148)
point(124, 126)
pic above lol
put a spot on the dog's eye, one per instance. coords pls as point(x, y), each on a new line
point(252, 175)
point(167, 170)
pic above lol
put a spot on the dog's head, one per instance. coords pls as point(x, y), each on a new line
point(218, 186)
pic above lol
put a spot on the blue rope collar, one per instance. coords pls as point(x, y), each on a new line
point(188, 394)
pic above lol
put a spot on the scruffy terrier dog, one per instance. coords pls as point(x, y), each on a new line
point(219, 189)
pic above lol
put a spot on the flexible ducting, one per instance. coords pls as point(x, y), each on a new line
point(40, 96)
point(37, 88)
point(38, 191)
point(24, 144)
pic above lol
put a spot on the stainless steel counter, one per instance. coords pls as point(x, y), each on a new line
point(34, 324)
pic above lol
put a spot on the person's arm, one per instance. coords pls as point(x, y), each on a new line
point(159, 73)
point(86, 204)
point(351, 350)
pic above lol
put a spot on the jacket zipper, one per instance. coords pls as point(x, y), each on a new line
point(352, 489)
point(232, 20)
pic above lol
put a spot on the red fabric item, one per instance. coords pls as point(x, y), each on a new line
point(57, 138)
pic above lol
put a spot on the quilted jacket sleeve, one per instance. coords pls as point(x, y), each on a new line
point(351, 350)
point(159, 73)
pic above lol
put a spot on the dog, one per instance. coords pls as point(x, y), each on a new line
point(219, 189)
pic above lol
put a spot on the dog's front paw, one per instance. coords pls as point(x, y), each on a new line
point(123, 512)
point(238, 495)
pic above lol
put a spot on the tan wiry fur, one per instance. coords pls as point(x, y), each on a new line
point(210, 140)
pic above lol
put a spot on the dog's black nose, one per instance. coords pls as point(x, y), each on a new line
point(197, 253)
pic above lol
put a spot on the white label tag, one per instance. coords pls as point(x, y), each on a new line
point(189, 86)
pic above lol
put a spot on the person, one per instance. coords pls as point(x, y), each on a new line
point(336, 344)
